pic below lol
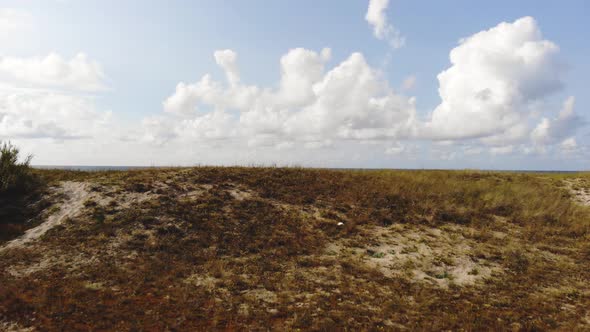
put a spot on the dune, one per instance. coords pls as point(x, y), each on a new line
point(289, 248)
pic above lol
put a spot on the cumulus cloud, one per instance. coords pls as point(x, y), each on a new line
point(494, 99)
point(227, 59)
point(40, 97)
point(377, 17)
point(549, 131)
point(495, 78)
point(351, 101)
point(492, 96)
point(77, 73)
point(300, 70)
point(569, 144)
point(49, 115)
point(33, 107)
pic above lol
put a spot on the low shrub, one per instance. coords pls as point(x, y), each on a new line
point(20, 192)
point(15, 176)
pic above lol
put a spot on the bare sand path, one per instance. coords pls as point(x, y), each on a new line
point(581, 194)
point(76, 194)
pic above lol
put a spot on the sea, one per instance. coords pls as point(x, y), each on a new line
point(92, 168)
point(128, 168)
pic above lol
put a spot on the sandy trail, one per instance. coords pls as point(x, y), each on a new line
point(76, 192)
point(581, 194)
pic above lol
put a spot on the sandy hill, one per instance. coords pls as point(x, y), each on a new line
point(284, 249)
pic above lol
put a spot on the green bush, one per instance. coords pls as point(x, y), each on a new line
point(15, 176)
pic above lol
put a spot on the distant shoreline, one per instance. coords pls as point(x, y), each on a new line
point(93, 168)
point(128, 168)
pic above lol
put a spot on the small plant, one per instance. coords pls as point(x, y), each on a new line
point(375, 254)
point(378, 255)
point(517, 261)
point(97, 211)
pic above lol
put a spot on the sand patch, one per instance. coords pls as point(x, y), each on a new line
point(202, 280)
point(76, 194)
point(240, 195)
point(578, 188)
point(261, 295)
point(440, 257)
point(52, 259)
point(14, 327)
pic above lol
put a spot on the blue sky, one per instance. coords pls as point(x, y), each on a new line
point(145, 48)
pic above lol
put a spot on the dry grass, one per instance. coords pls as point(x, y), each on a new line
point(271, 248)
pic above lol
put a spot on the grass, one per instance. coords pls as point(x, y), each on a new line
point(230, 248)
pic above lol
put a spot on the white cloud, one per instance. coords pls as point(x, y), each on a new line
point(502, 150)
point(494, 99)
point(227, 59)
point(377, 17)
point(516, 134)
point(492, 96)
point(351, 101)
point(495, 78)
point(215, 125)
point(569, 144)
point(499, 83)
point(382, 29)
point(49, 115)
point(550, 131)
point(154, 130)
point(300, 70)
point(31, 103)
point(395, 150)
point(208, 92)
point(78, 73)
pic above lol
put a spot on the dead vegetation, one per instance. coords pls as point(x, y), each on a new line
point(286, 249)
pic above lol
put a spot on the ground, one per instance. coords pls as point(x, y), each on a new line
point(288, 249)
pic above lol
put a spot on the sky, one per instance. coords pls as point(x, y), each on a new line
point(356, 83)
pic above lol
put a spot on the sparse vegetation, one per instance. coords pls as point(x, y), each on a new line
point(215, 248)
